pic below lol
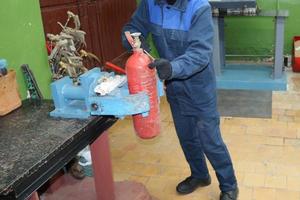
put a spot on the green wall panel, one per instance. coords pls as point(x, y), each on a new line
point(22, 41)
point(255, 35)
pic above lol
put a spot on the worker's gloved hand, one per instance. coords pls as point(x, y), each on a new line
point(144, 44)
point(163, 67)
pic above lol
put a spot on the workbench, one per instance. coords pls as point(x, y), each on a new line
point(34, 147)
point(251, 76)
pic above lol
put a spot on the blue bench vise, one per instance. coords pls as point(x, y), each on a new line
point(81, 101)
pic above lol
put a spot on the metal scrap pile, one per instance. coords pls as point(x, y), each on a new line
point(67, 54)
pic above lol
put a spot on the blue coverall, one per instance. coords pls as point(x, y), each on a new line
point(183, 34)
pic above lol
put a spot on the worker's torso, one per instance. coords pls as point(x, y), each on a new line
point(170, 30)
point(170, 26)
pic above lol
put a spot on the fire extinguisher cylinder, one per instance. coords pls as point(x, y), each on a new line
point(142, 78)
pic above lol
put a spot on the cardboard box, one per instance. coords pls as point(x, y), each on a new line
point(9, 94)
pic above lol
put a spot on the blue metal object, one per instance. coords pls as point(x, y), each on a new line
point(250, 77)
point(263, 81)
point(3, 67)
point(160, 88)
point(233, 4)
point(81, 101)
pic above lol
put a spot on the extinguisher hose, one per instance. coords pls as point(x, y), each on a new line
point(115, 67)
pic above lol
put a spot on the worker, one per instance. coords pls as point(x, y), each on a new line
point(182, 32)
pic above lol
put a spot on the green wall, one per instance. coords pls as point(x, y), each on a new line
point(255, 35)
point(22, 41)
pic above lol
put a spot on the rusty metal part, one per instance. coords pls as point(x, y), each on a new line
point(67, 56)
point(148, 54)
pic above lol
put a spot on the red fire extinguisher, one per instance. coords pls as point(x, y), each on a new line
point(142, 78)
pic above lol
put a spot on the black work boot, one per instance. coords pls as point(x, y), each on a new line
point(230, 195)
point(190, 184)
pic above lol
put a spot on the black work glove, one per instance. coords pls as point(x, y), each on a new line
point(163, 67)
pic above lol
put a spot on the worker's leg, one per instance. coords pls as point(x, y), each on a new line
point(216, 152)
point(190, 142)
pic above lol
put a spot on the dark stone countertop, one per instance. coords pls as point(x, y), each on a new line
point(29, 137)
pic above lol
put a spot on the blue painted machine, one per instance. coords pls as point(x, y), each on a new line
point(81, 101)
point(250, 76)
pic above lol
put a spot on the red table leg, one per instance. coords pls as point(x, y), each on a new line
point(34, 196)
point(102, 168)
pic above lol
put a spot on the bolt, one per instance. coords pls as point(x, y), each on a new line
point(94, 106)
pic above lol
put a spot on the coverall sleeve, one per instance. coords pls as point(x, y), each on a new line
point(138, 23)
point(199, 51)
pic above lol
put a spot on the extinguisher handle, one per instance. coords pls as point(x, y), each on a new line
point(129, 38)
point(149, 55)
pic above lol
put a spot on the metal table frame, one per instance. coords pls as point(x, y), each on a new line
point(236, 4)
point(102, 168)
point(93, 133)
point(219, 41)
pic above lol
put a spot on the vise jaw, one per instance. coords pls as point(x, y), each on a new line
point(81, 101)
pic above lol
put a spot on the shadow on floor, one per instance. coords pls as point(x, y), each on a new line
point(242, 103)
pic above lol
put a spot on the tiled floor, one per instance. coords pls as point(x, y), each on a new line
point(265, 152)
